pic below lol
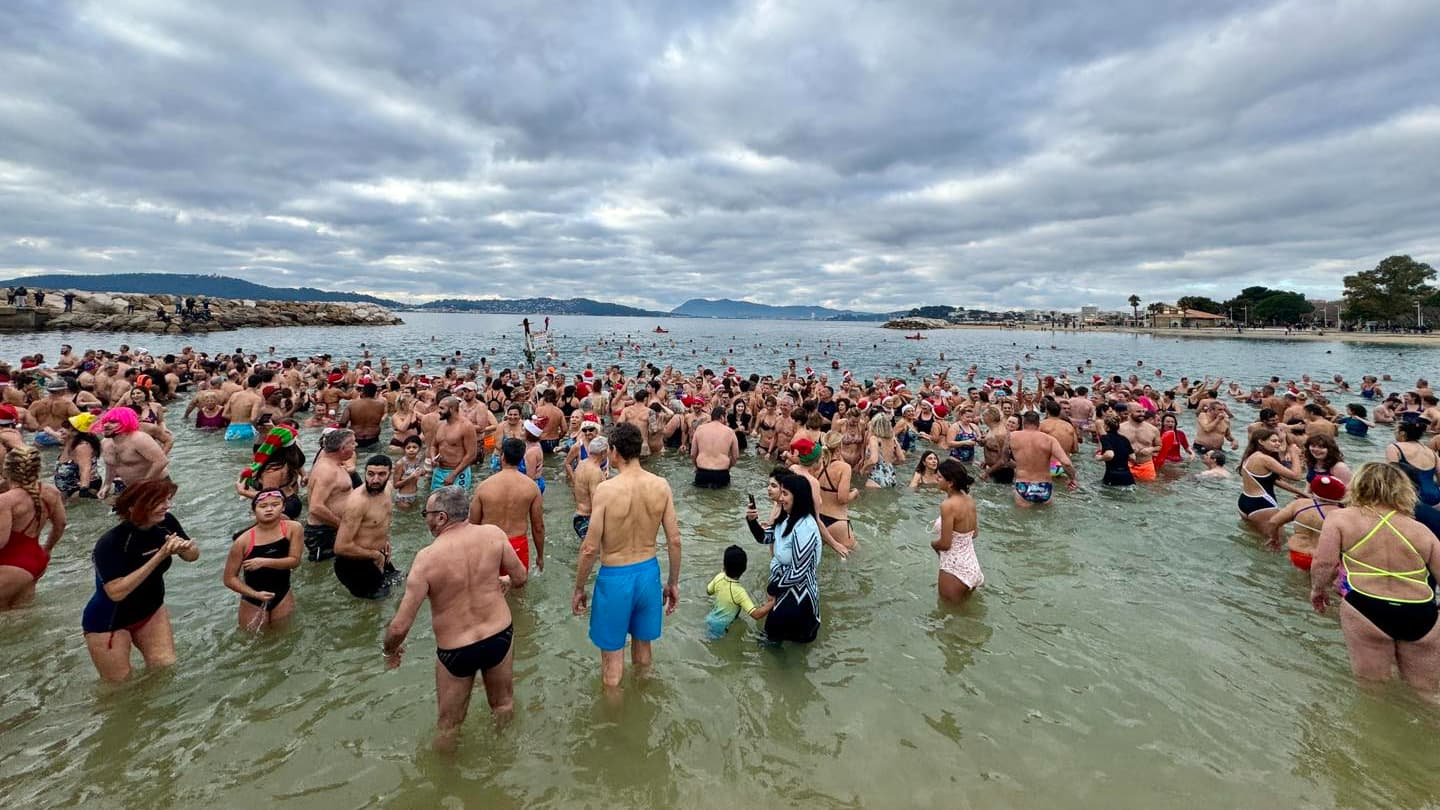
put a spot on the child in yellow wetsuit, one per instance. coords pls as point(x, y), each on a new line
point(730, 596)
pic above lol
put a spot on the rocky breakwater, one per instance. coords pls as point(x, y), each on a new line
point(916, 323)
point(113, 312)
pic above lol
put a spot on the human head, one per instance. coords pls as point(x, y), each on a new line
point(22, 470)
point(955, 475)
point(413, 443)
point(1030, 420)
point(599, 447)
point(735, 562)
point(1322, 447)
point(338, 441)
point(268, 505)
point(625, 441)
point(1383, 487)
point(1263, 441)
point(377, 473)
point(796, 499)
point(881, 427)
point(1327, 488)
point(144, 504)
point(447, 506)
point(118, 421)
point(1410, 431)
point(512, 452)
point(928, 461)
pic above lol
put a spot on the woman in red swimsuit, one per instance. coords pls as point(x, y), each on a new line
point(24, 510)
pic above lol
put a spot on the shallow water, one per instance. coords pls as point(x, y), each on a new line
point(1129, 649)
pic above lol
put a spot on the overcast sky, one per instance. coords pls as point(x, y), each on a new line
point(866, 155)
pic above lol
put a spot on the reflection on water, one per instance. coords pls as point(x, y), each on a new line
point(1128, 647)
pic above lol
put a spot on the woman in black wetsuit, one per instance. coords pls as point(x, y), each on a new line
point(260, 561)
point(128, 607)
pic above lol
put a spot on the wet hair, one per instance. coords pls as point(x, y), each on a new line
point(1412, 431)
point(1266, 414)
point(1219, 457)
point(415, 440)
point(22, 470)
point(453, 500)
point(379, 460)
point(804, 504)
point(140, 499)
point(1382, 486)
point(599, 446)
point(1112, 423)
point(717, 412)
point(1357, 409)
point(735, 562)
point(780, 473)
point(956, 475)
point(920, 465)
point(368, 390)
point(1030, 418)
point(512, 451)
point(1052, 408)
point(626, 440)
point(332, 440)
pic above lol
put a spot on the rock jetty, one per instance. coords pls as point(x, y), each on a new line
point(116, 312)
point(916, 323)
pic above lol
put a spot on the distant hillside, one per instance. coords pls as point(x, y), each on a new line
point(189, 284)
point(727, 308)
point(538, 306)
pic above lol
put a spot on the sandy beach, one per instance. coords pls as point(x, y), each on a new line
point(1331, 335)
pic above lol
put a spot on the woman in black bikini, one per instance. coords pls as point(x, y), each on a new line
point(260, 561)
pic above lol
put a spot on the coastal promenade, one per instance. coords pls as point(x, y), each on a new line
point(158, 314)
point(1211, 333)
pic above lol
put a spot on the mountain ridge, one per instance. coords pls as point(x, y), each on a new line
point(730, 308)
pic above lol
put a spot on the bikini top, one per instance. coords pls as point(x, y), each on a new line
point(1418, 576)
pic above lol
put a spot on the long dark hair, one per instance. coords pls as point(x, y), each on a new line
point(804, 504)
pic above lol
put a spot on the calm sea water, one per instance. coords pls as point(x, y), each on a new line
point(1129, 649)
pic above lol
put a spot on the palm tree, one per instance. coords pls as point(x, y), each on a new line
point(1135, 307)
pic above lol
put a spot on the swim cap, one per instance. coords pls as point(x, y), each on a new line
point(1328, 487)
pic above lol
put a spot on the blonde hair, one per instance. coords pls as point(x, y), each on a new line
point(22, 470)
point(881, 427)
point(1382, 486)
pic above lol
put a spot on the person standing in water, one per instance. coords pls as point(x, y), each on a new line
point(956, 528)
point(261, 559)
point(465, 573)
point(629, 510)
point(362, 546)
point(25, 508)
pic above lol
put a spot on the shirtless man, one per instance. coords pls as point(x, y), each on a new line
point(364, 416)
point(1213, 427)
point(628, 511)
point(1144, 439)
point(511, 500)
point(554, 421)
point(10, 436)
point(52, 412)
point(1033, 452)
point(362, 547)
point(1316, 424)
point(998, 467)
point(1061, 429)
point(330, 486)
point(714, 449)
point(454, 449)
point(638, 414)
point(785, 425)
point(588, 475)
point(131, 455)
point(461, 573)
point(242, 409)
point(1082, 410)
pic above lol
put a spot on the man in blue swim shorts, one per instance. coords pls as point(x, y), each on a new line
point(1035, 452)
point(627, 512)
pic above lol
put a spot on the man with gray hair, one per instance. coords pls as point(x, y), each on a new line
point(465, 573)
point(330, 485)
point(593, 469)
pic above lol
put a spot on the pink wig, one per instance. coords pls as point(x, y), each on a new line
point(125, 420)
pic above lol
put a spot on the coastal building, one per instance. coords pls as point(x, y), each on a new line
point(1327, 312)
point(1169, 316)
point(1089, 313)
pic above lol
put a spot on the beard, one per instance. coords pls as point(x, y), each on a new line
point(444, 416)
point(375, 490)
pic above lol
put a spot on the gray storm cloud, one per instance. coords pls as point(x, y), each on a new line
point(850, 154)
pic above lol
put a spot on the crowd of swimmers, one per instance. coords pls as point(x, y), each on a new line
point(470, 447)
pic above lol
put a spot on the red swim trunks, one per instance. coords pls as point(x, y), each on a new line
point(521, 544)
point(1301, 560)
point(1143, 472)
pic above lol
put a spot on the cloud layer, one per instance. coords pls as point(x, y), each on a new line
point(864, 155)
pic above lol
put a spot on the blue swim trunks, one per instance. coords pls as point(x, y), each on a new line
point(1034, 491)
point(240, 432)
point(437, 478)
point(43, 439)
point(540, 482)
point(627, 599)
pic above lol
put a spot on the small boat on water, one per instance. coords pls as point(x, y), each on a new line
point(916, 336)
point(660, 331)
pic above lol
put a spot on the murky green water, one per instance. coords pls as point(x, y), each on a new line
point(1129, 649)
